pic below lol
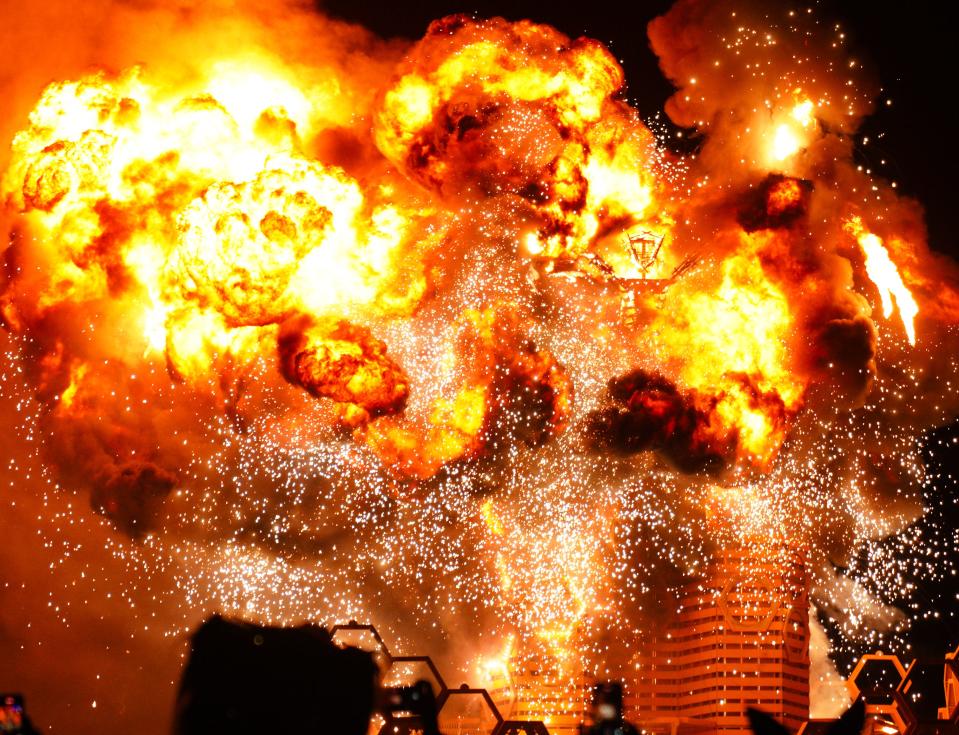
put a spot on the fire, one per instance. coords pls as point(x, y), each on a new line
point(783, 196)
point(786, 142)
point(885, 276)
point(793, 134)
point(448, 318)
point(242, 85)
point(732, 345)
point(505, 387)
point(463, 113)
point(803, 113)
point(454, 433)
point(346, 364)
point(77, 373)
point(203, 212)
point(493, 523)
point(497, 667)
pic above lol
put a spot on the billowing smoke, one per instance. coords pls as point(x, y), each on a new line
point(344, 363)
point(648, 412)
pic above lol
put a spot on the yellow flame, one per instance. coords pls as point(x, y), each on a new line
point(146, 262)
point(245, 87)
point(790, 136)
point(885, 276)
point(492, 521)
point(497, 667)
point(244, 230)
point(77, 373)
point(802, 113)
point(785, 142)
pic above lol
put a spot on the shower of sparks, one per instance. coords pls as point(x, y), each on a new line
point(321, 352)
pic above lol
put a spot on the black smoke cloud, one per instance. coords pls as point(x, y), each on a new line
point(648, 412)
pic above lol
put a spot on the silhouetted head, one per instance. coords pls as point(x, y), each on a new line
point(244, 678)
point(608, 701)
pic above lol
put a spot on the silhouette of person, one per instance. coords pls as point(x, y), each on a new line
point(244, 679)
point(607, 711)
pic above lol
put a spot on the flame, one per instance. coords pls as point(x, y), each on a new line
point(77, 374)
point(784, 195)
point(453, 300)
point(786, 142)
point(885, 276)
point(793, 133)
point(732, 345)
point(803, 113)
point(592, 176)
point(497, 668)
point(492, 521)
point(346, 364)
point(206, 205)
point(484, 345)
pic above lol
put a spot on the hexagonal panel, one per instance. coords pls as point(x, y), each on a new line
point(921, 690)
point(950, 683)
point(407, 670)
point(749, 603)
point(364, 637)
point(876, 678)
point(468, 711)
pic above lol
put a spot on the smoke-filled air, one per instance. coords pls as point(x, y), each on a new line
point(439, 335)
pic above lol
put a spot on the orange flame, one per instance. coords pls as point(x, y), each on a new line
point(886, 278)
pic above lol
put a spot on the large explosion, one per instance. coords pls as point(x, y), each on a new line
point(443, 332)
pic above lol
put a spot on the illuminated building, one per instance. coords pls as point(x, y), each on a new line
point(539, 687)
point(739, 639)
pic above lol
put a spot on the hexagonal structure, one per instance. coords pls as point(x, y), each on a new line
point(407, 670)
point(875, 679)
point(950, 683)
point(733, 603)
point(364, 637)
point(468, 711)
point(915, 702)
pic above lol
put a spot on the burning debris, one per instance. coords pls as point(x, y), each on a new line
point(779, 201)
point(344, 363)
